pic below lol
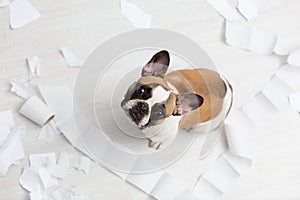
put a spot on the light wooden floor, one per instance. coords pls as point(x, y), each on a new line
point(83, 24)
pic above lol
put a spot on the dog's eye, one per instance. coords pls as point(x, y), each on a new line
point(158, 111)
point(159, 114)
point(141, 90)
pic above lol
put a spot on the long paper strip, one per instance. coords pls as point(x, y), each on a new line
point(277, 91)
point(168, 188)
point(290, 74)
point(135, 15)
point(248, 38)
point(224, 9)
point(286, 45)
point(249, 8)
point(259, 109)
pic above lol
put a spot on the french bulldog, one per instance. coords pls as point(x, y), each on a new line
point(198, 96)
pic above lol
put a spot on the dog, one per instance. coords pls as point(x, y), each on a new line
point(198, 97)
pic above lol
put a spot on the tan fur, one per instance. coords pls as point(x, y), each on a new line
point(203, 82)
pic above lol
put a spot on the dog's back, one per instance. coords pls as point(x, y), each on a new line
point(206, 83)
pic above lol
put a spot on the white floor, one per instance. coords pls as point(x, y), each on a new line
point(81, 25)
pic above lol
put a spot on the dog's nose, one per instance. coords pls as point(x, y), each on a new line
point(138, 112)
point(142, 108)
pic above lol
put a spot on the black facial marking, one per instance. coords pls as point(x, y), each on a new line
point(138, 112)
point(158, 111)
point(142, 92)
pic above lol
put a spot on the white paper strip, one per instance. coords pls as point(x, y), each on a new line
point(6, 123)
point(294, 58)
point(294, 100)
point(248, 38)
point(239, 128)
point(49, 132)
point(35, 110)
point(11, 150)
point(34, 66)
point(221, 175)
point(47, 160)
point(36, 180)
point(286, 45)
point(249, 8)
point(277, 91)
point(135, 15)
point(145, 182)
point(224, 9)
point(186, 195)
point(206, 190)
point(23, 89)
point(262, 42)
point(22, 13)
point(168, 187)
point(239, 163)
point(67, 160)
point(238, 35)
point(290, 74)
point(71, 59)
point(260, 109)
point(68, 193)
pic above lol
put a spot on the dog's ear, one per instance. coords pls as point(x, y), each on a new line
point(158, 65)
point(187, 102)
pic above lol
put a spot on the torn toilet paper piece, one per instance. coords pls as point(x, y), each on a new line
point(49, 132)
point(294, 58)
point(11, 150)
point(23, 88)
point(68, 160)
point(6, 124)
point(224, 9)
point(47, 160)
point(249, 8)
point(22, 13)
point(290, 74)
point(286, 45)
point(146, 182)
point(36, 180)
point(262, 105)
point(294, 100)
point(34, 66)
point(245, 37)
point(71, 59)
point(135, 15)
point(168, 187)
point(68, 193)
point(239, 132)
point(216, 180)
point(37, 111)
point(277, 91)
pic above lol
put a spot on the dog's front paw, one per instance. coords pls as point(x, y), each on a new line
point(154, 145)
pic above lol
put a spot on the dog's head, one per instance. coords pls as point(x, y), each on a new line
point(150, 100)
